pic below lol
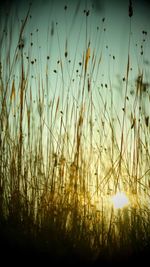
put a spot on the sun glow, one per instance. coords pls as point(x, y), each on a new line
point(120, 200)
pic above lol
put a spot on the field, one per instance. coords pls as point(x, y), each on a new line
point(71, 138)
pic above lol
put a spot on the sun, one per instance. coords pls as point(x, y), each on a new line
point(120, 200)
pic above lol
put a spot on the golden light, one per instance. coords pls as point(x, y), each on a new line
point(120, 200)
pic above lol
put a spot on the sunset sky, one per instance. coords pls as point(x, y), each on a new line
point(71, 27)
point(57, 35)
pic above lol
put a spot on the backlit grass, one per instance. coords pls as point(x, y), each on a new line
point(70, 139)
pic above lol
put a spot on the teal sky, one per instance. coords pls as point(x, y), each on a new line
point(71, 27)
point(53, 30)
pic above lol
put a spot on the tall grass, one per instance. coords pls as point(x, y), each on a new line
point(66, 148)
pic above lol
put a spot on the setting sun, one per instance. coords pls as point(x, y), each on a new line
point(120, 200)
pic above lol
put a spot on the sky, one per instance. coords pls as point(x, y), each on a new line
point(55, 27)
point(71, 21)
point(58, 36)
